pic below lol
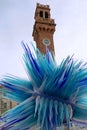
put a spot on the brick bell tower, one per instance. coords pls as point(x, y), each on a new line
point(44, 28)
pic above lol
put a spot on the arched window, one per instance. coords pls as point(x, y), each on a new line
point(46, 14)
point(41, 13)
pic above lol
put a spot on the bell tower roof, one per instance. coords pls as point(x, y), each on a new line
point(42, 14)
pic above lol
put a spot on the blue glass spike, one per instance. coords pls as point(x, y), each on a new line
point(47, 55)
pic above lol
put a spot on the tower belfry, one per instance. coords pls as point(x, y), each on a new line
point(44, 28)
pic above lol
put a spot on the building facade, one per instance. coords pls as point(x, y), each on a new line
point(5, 104)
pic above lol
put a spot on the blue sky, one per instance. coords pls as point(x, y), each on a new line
point(16, 24)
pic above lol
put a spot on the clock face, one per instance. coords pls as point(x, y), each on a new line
point(46, 42)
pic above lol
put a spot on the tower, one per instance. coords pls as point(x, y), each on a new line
point(44, 28)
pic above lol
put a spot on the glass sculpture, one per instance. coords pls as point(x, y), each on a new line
point(53, 95)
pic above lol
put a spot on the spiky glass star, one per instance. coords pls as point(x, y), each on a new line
point(54, 96)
